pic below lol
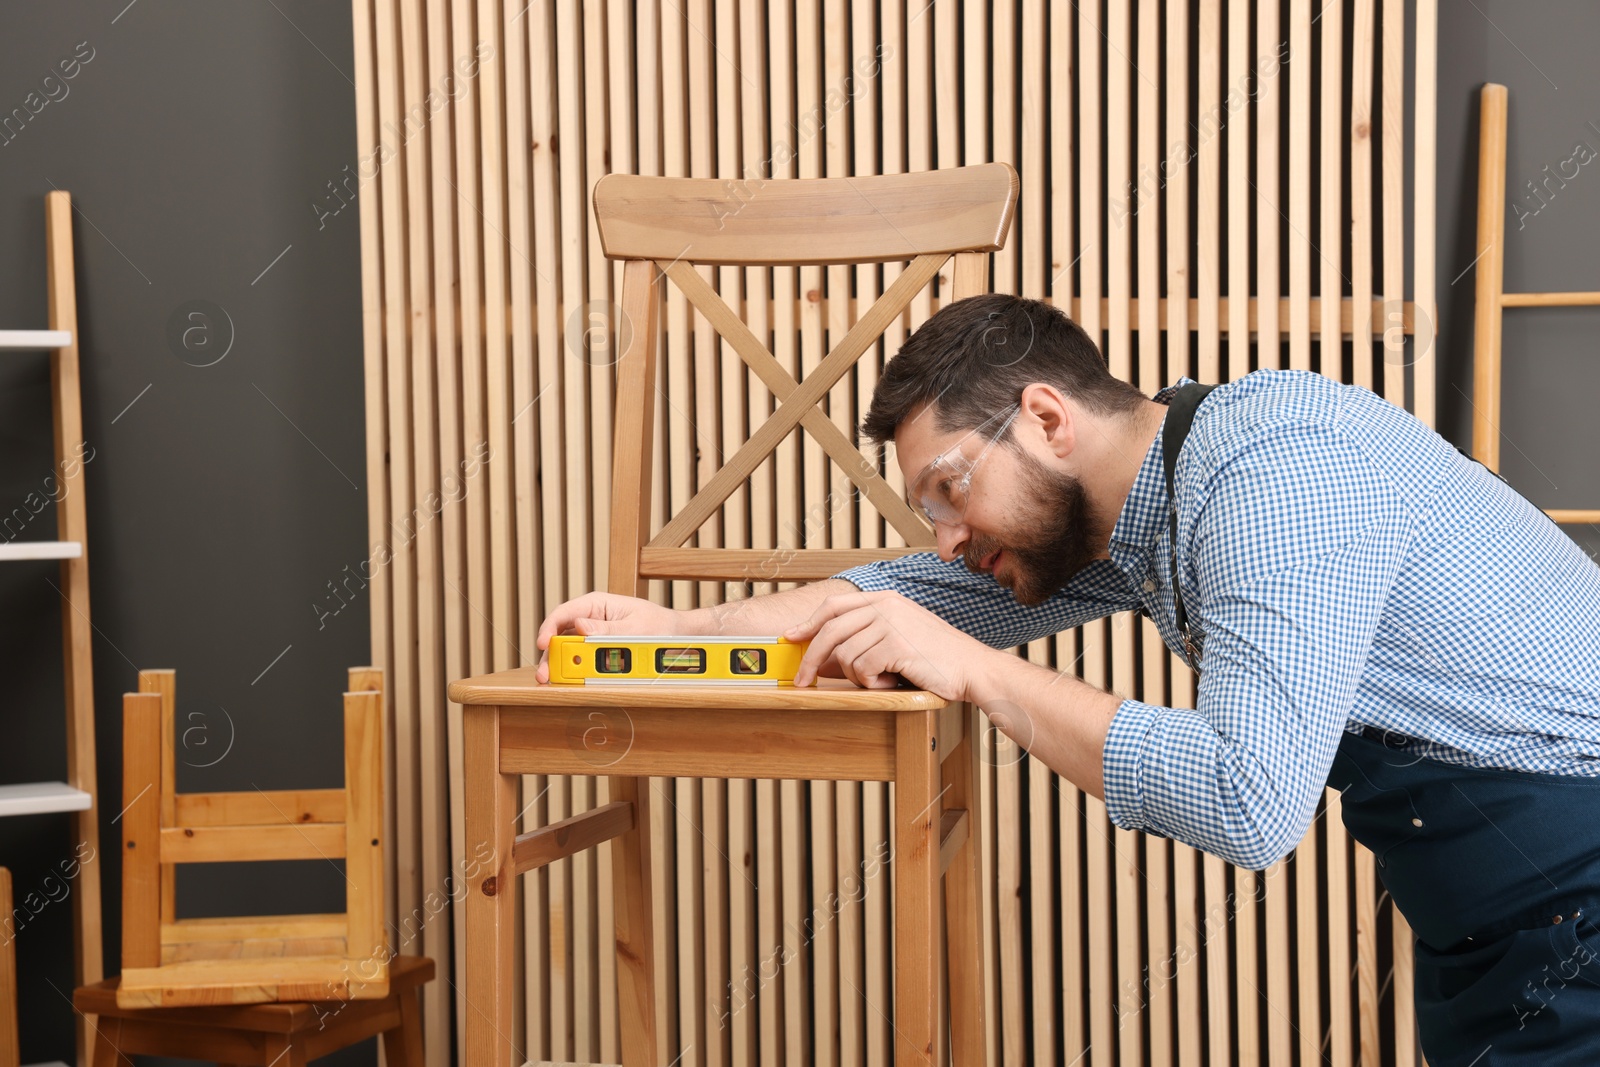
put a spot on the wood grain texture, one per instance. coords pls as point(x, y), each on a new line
point(571, 836)
point(824, 220)
point(363, 826)
point(141, 830)
point(168, 961)
point(72, 524)
point(261, 808)
point(1489, 277)
point(10, 1048)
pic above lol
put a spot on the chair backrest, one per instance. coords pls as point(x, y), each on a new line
point(162, 828)
point(668, 227)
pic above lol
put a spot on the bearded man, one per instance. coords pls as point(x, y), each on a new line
point(1367, 608)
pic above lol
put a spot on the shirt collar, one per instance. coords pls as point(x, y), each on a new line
point(1144, 513)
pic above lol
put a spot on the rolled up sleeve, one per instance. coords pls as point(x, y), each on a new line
point(1288, 561)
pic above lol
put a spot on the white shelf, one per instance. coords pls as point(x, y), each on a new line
point(34, 339)
point(41, 550)
point(37, 798)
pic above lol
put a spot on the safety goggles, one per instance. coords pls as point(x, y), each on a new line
point(940, 491)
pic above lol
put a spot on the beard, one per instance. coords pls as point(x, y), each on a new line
point(1045, 549)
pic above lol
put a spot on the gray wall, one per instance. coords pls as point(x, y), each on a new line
point(221, 498)
point(1543, 52)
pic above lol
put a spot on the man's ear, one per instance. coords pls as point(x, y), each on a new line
point(1048, 416)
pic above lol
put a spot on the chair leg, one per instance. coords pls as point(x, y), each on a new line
point(285, 1052)
point(489, 815)
point(963, 903)
point(402, 1046)
point(631, 888)
point(107, 1036)
point(919, 1032)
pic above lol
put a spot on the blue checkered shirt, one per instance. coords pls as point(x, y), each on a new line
point(1348, 568)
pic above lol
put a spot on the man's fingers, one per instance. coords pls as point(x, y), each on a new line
point(855, 654)
point(869, 656)
point(827, 637)
point(822, 646)
point(558, 620)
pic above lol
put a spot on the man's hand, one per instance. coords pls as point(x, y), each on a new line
point(604, 613)
point(873, 637)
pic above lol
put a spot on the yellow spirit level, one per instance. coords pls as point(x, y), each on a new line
point(641, 660)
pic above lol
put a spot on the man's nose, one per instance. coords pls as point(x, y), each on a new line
point(952, 538)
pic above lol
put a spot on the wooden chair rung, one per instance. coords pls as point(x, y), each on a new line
point(954, 825)
point(546, 845)
point(247, 843)
point(255, 927)
point(758, 564)
point(295, 807)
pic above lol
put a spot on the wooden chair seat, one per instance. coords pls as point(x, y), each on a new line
point(268, 1035)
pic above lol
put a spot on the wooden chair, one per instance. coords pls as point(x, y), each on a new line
point(263, 1035)
point(167, 961)
point(668, 226)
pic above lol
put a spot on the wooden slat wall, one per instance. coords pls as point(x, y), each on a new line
point(486, 303)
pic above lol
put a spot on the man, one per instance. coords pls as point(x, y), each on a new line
point(1367, 608)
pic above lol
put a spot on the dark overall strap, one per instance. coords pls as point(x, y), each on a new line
point(1180, 414)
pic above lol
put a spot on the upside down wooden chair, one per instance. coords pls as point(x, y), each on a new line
point(170, 962)
point(928, 749)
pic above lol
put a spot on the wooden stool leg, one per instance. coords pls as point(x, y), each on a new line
point(630, 880)
point(490, 811)
point(963, 903)
point(10, 1056)
point(285, 1052)
point(919, 1032)
point(402, 1046)
point(107, 1036)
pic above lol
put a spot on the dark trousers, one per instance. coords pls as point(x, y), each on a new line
point(1498, 873)
point(1526, 997)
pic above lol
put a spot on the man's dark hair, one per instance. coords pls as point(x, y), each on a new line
point(974, 358)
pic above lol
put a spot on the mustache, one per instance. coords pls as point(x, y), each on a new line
point(977, 551)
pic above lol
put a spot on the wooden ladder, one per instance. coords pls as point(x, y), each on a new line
point(77, 793)
point(1492, 297)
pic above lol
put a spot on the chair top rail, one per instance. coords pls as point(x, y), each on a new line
point(753, 221)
